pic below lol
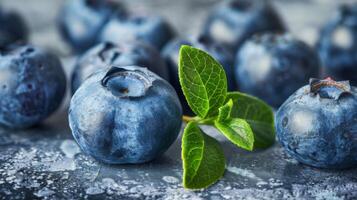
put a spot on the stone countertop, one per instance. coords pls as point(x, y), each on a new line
point(45, 162)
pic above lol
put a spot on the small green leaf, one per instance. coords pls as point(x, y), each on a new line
point(225, 111)
point(258, 114)
point(203, 158)
point(203, 81)
point(237, 130)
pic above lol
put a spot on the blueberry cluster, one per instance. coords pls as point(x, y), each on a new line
point(84, 23)
point(126, 103)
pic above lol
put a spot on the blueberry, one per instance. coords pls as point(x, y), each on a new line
point(32, 86)
point(107, 53)
point(337, 45)
point(317, 125)
point(150, 29)
point(125, 115)
point(12, 28)
point(171, 53)
point(235, 21)
point(81, 21)
point(273, 66)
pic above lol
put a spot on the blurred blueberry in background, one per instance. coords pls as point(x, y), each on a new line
point(153, 30)
point(32, 85)
point(273, 66)
point(12, 28)
point(125, 54)
point(81, 21)
point(337, 45)
point(234, 21)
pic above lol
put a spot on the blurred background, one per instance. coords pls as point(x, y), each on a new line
point(302, 17)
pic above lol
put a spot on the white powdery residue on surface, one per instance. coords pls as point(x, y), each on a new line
point(70, 148)
point(66, 164)
point(94, 190)
point(275, 182)
point(170, 179)
point(246, 173)
point(44, 192)
point(180, 194)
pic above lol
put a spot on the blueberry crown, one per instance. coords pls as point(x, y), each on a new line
point(126, 82)
point(328, 88)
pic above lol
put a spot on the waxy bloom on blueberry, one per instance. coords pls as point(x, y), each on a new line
point(317, 125)
point(106, 54)
point(32, 86)
point(125, 115)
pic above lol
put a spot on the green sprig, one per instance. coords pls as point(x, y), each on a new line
point(244, 120)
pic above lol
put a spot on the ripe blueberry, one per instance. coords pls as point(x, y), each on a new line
point(171, 53)
point(105, 54)
point(317, 125)
point(125, 115)
point(273, 66)
point(237, 20)
point(32, 86)
point(337, 45)
point(150, 29)
point(12, 28)
point(81, 21)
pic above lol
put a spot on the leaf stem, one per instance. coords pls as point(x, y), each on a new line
point(208, 121)
point(187, 119)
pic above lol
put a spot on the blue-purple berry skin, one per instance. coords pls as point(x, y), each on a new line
point(153, 30)
point(235, 21)
point(125, 115)
point(80, 22)
point(317, 125)
point(273, 66)
point(337, 45)
point(32, 86)
point(13, 28)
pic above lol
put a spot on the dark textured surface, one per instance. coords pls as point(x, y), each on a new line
point(44, 162)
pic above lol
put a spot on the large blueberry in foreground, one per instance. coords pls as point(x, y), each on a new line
point(12, 28)
point(317, 125)
point(105, 54)
point(171, 55)
point(237, 20)
point(32, 86)
point(337, 45)
point(125, 115)
point(273, 66)
point(153, 30)
point(81, 21)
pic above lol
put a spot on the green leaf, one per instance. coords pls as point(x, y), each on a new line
point(203, 158)
point(225, 111)
point(203, 81)
point(237, 130)
point(258, 114)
